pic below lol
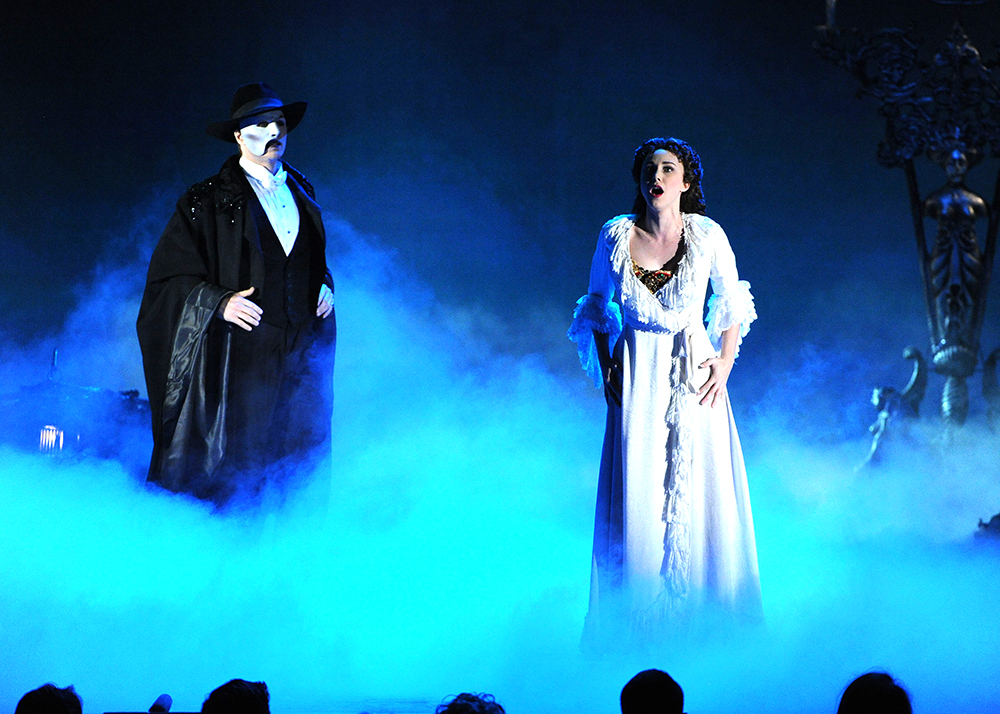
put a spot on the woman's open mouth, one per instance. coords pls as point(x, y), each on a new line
point(656, 191)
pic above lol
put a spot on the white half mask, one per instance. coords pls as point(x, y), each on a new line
point(257, 137)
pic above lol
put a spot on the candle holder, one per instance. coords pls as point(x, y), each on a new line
point(946, 108)
point(943, 107)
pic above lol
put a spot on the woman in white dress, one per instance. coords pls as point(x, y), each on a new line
point(674, 532)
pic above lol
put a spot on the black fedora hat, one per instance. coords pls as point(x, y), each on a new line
point(251, 100)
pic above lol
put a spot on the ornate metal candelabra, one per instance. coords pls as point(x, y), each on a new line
point(947, 108)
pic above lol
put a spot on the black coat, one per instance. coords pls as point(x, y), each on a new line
point(210, 241)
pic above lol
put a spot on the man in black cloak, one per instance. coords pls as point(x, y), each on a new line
point(236, 325)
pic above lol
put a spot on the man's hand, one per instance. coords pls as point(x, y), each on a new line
point(325, 305)
point(242, 312)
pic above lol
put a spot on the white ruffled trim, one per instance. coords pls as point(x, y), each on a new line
point(677, 504)
point(676, 568)
point(735, 307)
point(670, 309)
point(594, 312)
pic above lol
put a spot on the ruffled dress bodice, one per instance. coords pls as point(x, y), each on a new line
point(675, 306)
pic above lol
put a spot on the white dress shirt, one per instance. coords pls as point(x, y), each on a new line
point(277, 200)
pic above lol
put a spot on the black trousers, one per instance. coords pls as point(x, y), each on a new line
point(279, 405)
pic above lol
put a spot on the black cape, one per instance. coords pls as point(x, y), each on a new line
point(208, 249)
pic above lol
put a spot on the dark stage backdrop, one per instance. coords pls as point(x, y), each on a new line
point(484, 143)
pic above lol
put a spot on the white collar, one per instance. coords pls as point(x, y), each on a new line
point(264, 178)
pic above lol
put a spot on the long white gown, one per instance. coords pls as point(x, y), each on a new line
point(673, 533)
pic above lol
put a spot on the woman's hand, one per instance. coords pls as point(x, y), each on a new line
point(721, 366)
point(242, 312)
point(611, 370)
point(613, 382)
point(715, 387)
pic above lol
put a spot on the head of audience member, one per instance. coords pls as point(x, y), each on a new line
point(49, 699)
point(652, 691)
point(467, 703)
point(875, 693)
point(238, 696)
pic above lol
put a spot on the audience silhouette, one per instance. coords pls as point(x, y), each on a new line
point(467, 703)
point(652, 691)
point(238, 696)
point(875, 693)
point(50, 699)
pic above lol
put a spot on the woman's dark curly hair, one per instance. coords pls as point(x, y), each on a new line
point(692, 200)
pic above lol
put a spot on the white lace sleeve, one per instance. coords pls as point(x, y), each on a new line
point(731, 302)
point(596, 311)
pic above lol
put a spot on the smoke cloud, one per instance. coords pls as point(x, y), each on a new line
point(448, 547)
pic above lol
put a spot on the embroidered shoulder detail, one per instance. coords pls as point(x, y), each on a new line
point(225, 198)
point(231, 196)
point(221, 192)
point(302, 181)
point(229, 199)
point(194, 198)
